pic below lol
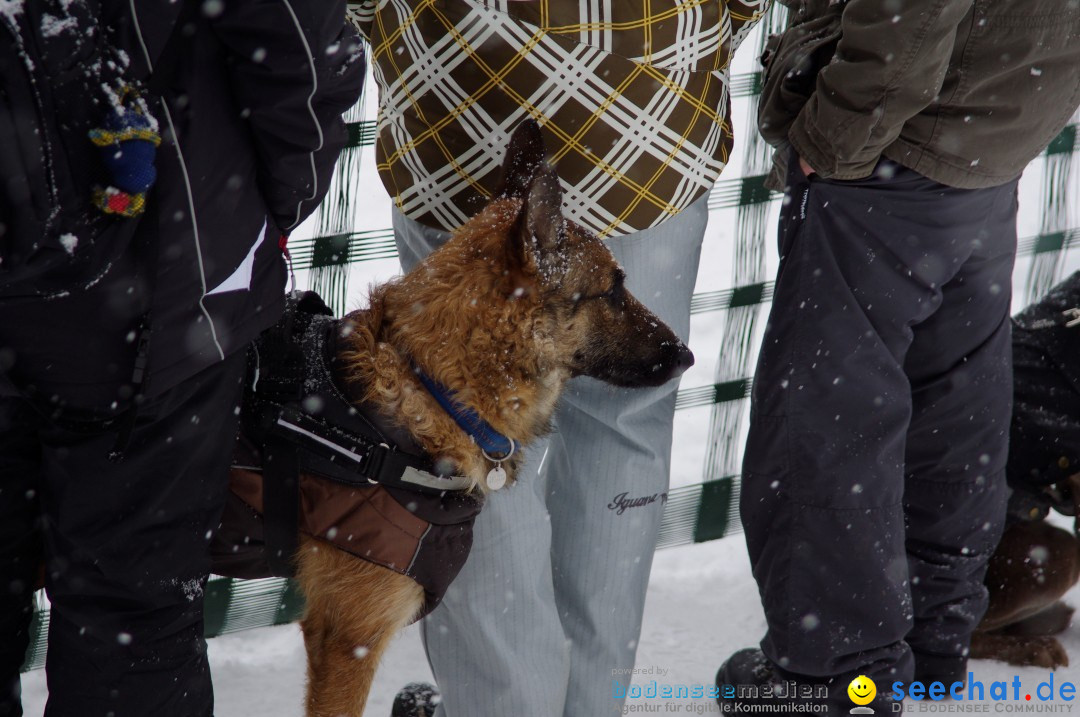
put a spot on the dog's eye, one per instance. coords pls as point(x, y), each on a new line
point(616, 295)
point(610, 295)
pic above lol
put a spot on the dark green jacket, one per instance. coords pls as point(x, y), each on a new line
point(965, 92)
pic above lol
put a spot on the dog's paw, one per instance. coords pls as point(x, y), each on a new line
point(416, 699)
point(1020, 651)
point(1043, 652)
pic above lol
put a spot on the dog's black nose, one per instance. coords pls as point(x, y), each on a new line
point(684, 359)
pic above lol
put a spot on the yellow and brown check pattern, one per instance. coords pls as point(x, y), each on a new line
point(632, 97)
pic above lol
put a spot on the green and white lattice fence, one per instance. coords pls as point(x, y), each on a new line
point(694, 513)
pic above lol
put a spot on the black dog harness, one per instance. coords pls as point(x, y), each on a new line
point(333, 470)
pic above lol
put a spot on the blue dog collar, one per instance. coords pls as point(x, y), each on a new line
point(496, 446)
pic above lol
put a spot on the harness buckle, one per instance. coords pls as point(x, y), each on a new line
point(374, 463)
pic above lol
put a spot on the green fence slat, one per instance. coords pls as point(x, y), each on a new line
point(355, 133)
point(757, 82)
point(746, 85)
point(330, 250)
point(707, 395)
point(740, 192)
point(1049, 242)
point(754, 190)
point(680, 514)
point(713, 510)
point(732, 390)
point(360, 134)
point(694, 397)
point(707, 301)
point(1065, 142)
point(748, 295)
point(39, 637)
point(1055, 241)
point(218, 598)
point(291, 605)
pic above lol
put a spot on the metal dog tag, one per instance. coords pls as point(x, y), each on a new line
point(496, 477)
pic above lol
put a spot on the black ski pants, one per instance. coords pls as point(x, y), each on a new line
point(874, 488)
point(124, 546)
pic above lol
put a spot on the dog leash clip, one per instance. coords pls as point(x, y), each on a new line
point(1072, 317)
point(496, 477)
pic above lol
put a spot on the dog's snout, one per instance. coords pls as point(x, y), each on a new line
point(677, 358)
point(684, 359)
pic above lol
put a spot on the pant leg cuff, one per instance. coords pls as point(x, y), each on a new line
point(946, 669)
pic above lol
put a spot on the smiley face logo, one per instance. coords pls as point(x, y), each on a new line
point(862, 690)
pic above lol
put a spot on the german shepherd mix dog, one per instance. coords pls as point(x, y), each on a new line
point(519, 301)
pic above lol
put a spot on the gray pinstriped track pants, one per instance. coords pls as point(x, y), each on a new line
point(550, 600)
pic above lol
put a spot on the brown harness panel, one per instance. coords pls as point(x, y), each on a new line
point(366, 521)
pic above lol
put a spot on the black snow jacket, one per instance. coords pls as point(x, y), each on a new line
point(251, 126)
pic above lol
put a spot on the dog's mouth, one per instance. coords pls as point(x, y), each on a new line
point(627, 371)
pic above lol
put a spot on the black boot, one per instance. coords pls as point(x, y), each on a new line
point(749, 678)
point(416, 699)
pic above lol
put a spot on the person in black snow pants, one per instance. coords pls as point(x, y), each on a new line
point(119, 397)
point(874, 473)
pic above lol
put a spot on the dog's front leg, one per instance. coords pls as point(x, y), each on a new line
point(354, 608)
point(1034, 565)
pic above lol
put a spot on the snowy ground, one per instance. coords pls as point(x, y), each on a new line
point(702, 606)
point(702, 602)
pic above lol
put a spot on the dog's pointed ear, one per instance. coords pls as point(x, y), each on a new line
point(524, 155)
point(542, 227)
point(543, 222)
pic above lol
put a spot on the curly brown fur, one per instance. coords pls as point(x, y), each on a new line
point(451, 316)
point(515, 304)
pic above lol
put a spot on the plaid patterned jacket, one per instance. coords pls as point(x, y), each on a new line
point(632, 96)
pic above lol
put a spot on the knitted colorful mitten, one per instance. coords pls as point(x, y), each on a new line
point(128, 144)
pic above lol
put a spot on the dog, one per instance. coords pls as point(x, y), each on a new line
point(519, 301)
point(1034, 565)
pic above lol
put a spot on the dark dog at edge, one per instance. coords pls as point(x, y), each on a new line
point(1034, 565)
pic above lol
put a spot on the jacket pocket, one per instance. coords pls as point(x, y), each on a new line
point(792, 61)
